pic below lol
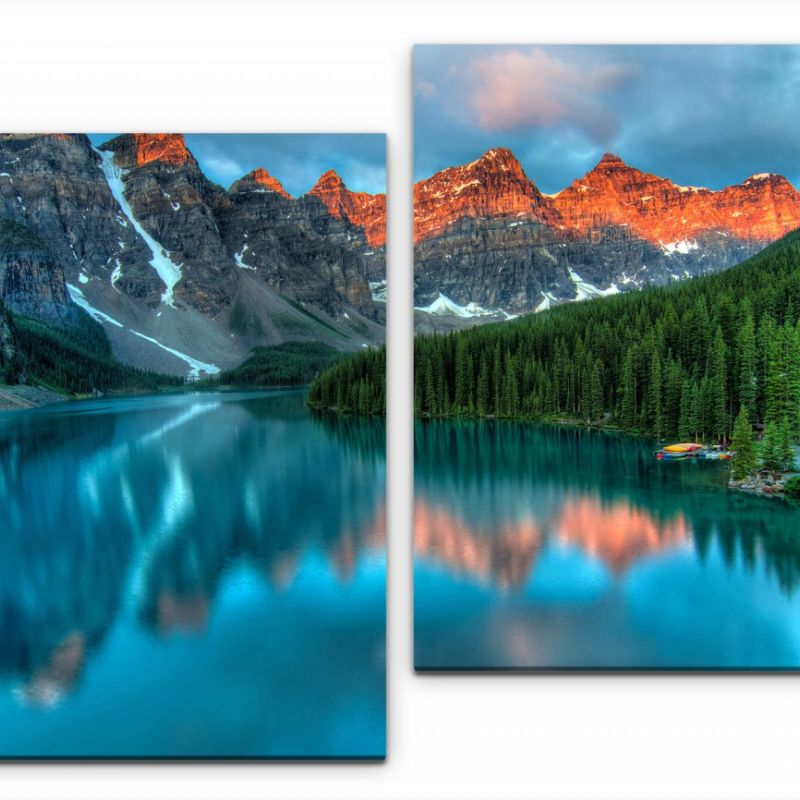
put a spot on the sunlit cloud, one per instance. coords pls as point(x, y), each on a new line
point(514, 88)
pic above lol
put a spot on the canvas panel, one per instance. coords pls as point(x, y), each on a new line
point(192, 557)
point(607, 380)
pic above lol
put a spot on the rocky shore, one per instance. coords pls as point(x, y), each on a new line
point(761, 483)
point(20, 397)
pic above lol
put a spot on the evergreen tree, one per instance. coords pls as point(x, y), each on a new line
point(655, 409)
point(482, 401)
point(746, 364)
point(687, 424)
point(771, 448)
point(596, 392)
point(718, 387)
point(627, 392)
point(744, 460)
point(430, 389)
point(785, 447)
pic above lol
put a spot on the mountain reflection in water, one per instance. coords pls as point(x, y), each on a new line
point(152, 516)
point(547, 546)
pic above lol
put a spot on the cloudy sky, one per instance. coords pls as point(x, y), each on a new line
point(700, 115)
point(295, 159)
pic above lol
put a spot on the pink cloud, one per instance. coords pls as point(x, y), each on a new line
point(514, 88)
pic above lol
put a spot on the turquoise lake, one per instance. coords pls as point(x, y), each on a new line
point(547, 547)
point(192, 575)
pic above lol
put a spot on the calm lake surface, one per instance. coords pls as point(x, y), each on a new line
point(192, 575)
point(548, 547)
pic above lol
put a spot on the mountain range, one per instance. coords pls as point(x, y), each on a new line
point(488, 244)
point(184, 275)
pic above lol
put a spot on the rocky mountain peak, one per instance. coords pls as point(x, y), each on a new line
point(498, 159)
point(332, 192)
point(361, 209)
point(612, 170)
point(485, 236)
point(610, 161)
point(137, 149)
point(493, 185)
point(328, 181)
point(765, 181)
point(259, 179)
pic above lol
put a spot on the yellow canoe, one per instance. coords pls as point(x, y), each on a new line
point(683, 447)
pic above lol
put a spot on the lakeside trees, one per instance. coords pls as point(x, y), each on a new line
point(77, 361)
point(677, 361)
point(745, 461)
point(287, 364)
point(355, 384)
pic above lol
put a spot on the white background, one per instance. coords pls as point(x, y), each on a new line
point(346, 66)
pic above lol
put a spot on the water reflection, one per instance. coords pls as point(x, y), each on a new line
point(579, 523)
point(140, 512)
point(504, 556)
point(618, 535)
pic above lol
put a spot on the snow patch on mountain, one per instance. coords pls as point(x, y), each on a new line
point(378, 289)
point(77, 297)
point(548, 301)
point(196, 367)
point(443, 306)
point(168, 271)
point(238, 258)
point(586, 291)
point(683, 247)
point(116, 275)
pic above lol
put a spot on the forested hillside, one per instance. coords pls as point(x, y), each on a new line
point(77, 361)
point(676, 361)
point(287, 364)
point(355, 384)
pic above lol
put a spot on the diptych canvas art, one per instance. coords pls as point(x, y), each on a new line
point(607, 357)
point(606, 270)
point(193, 558)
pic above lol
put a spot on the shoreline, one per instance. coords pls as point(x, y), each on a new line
point(754, 485)
point(763, 485)
point(24, 397)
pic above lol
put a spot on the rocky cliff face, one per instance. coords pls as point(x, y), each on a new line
point(761, 209)
point(361, 210)
point(53, 185)
point(495, 185)
point(295, 247)
point(490, 242)
point(259, 180)
point(136, 234)
point(32, 282)
point(8, 347)
point(174, 203)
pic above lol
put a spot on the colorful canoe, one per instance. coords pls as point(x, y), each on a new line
point(717, 455)
point(683, 447)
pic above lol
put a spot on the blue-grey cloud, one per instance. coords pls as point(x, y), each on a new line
point(702, 115)
point(295, 159)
